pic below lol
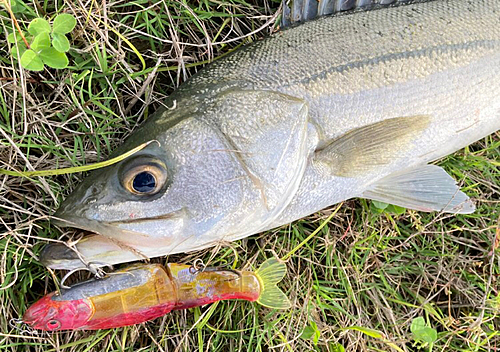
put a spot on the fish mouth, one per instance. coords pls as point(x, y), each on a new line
point(58, 255)
point(114, 235)
point(55, 254)
point(75, 222)
point(62, 256)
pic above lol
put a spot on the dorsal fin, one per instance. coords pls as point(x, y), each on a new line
point(296, 11)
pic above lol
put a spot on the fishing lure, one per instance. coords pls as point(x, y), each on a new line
point(143, 292)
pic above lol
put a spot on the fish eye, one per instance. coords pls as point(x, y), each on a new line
point(146, 179)
point(144, 182)
point(53, 324)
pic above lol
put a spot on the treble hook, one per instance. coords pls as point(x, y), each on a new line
point(97, 271)
point(198, 266)
point(21, 327)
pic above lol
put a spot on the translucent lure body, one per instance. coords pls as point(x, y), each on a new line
point(144, 292)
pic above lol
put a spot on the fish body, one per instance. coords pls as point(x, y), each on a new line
point(355, 105)
point(144, 292)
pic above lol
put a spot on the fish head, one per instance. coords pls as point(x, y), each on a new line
point(50, 314)
point(163, 197)
point(207, 180)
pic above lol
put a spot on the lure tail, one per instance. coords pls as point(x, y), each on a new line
point(269, 274)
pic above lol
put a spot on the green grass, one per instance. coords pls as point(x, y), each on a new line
point(364, 271)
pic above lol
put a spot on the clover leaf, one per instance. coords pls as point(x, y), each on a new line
point(39, 25)
point(41, 41)
point(31, 61)
point(63, 23)
point(47, 44)
point(14, 37)
point(423, 332)
point(60, 42)
point(53, 58)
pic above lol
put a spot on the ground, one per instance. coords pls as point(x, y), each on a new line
point(358, 285)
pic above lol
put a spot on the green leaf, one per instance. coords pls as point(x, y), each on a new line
point(31, 61)
point(39, 25)
point(14, 5)
point(11, 37)
point(423, 332)
point(22, 49)
point(60, 42)
point(338, 348)
point(395, 209)
point(369, 332)
point(428, 335)
point(19, 7)
point(307, 333)
point(21, 46)
point(311, 332)
point(8, 4)
point(14, 37)
point(64, 23)
point(53, 58)
point(417, 324)
point(379, 205)
point(41, 41)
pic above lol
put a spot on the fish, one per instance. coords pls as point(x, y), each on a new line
point(144, 292)
point(355, 105)
point(296, 11)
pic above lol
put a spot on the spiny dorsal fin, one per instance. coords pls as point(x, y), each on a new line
point(361, 150)
point(304, 10)
point(269, 274)
point(424, 188)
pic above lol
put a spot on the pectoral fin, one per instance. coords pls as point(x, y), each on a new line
point(425, 188)
point(364, 149)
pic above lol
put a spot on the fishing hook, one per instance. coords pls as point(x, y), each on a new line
point(21, 327)
point(197, 267)
point(97, 271)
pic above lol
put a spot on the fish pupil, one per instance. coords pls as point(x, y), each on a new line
point(144, 182)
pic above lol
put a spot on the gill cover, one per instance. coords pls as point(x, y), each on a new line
point(268, 132)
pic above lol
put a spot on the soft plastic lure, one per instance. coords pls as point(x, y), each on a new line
point(144, 292)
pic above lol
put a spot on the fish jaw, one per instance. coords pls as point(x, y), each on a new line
point(204, 184)
point(110, 244)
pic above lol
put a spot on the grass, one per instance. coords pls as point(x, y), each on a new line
point(356, 286)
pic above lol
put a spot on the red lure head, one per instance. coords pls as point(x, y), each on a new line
point(50, 314)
